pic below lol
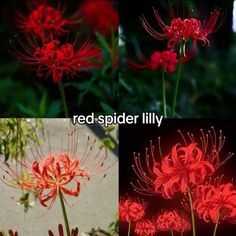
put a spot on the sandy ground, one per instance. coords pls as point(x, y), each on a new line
point(96, 205)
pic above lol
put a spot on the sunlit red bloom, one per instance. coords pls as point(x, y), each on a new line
point(166, 60)
point(172, 220)
point(187, 164)
point(45, 21)
point(74, 232)
point(100, 16)
point(145, 228)
point(211, 200)
point(59, 172)
point(57, 59)
point(183, 29)
point(131, 210)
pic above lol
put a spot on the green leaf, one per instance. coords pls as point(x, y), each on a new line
point(43, 104)
point(109, 129)
point(54, 109)
point(27, 111)
point(108, 109)
point(103, 41)
point(108, 143)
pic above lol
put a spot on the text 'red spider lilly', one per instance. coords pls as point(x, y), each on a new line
point(57, 59)
point(188, 163)
point(57, 174)
point(181, 30)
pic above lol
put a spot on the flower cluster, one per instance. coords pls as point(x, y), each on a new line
point(187, 170)
point(215, 203)
point(131, 210)
point(179, 33)
point(57, 173)
point(56, 59)
point(167, 60)
point(134, 213)
point(182, 30)
point(45, 22)
point(179, 30)
point(187, 164)
point(173, 220)
point(43, 48)
point(145, 228)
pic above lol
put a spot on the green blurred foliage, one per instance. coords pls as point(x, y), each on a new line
point(108, 140)
point(15, 135)
point(113, 228)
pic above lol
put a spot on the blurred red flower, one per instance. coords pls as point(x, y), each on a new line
point(45, 21)
point(59, 172)
point(56, 59)
point(183, 29)
point(100, 16)
point(145, 228)
point(172, 220)
point(131, 210)
point(167, 60)
point(186, 165)
point(215, 203)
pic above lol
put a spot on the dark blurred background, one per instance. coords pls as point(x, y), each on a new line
point(207, 85)
point(135, 138)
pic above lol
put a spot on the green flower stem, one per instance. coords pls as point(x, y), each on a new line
point(216, 224)
point(164, 93)
point(63, 99)
point(172, 233)
point(179, 67)
point(129, 229)
point(64, 213)
point(192, 214)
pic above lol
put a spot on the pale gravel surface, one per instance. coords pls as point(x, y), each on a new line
point(96, 205)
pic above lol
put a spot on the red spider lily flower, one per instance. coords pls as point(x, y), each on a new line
point(173, 220)
point(167, 60)
point(131, 210)
point(215, 203)
point(56, 59)
point(183, 29)
point(59, 172)
point(188, 163)
point(145, 228)
point(100, 16)
point(45, 21)
point(74, 232)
